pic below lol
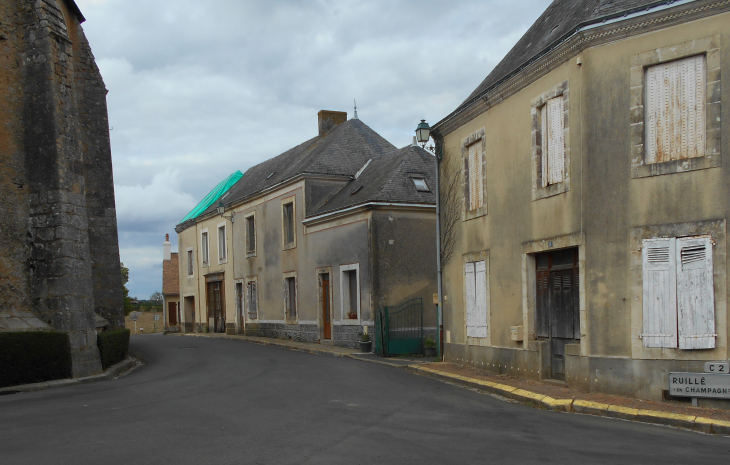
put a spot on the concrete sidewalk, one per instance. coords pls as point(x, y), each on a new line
point(540, 395)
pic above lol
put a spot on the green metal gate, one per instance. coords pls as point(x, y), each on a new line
point(399, 329)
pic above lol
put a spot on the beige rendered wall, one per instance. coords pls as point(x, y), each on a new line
point(606, 212)
point(194, 286)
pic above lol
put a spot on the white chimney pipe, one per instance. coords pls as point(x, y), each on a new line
point(166, 250)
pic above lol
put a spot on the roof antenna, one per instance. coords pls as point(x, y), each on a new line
point(355, 117)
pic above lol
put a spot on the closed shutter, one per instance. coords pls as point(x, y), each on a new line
point(252, 301)
point(479, 176)
point(556, 144)
point(675, 99)
point(470, 299)
point(287, 298)
point(480, 298)
point(695, 294)
point(544, 144)
point(660, 293)
point(475, 177)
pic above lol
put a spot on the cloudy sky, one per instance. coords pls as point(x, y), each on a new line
point(200, 89)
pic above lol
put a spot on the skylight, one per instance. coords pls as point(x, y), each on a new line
point(421, 185)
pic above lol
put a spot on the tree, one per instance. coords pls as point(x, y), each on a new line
point(450, 208)
point(156, 297)
point(127, 301)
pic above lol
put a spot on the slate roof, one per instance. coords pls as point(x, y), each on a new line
point(171, 275)
point(342, 151)
point(559, 21)
point(389, 179)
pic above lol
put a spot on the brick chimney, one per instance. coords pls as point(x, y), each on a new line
point(329, 119)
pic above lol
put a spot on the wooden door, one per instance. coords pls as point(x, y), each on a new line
point(172, 313)
point(215, 307)
point(326, 318)
point(557, 304)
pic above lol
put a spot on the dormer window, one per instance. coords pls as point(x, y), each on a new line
point(421, 185)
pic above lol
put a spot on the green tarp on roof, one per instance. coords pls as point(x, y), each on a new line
point(213, 195)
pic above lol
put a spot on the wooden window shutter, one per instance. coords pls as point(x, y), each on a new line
point(660, 293)
point(470, 299)
point(675, 102)
point(479, 175)
point(695, 293)
point(544, 145)
point(287, 297)
point(480, 299)
point(474, 178)
point(556, 143)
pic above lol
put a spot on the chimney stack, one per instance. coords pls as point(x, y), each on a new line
point(329, 119)
point(166, 251)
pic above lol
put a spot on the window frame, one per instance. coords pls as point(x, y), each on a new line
point(247, 233)
point(190, 255)
point(222, 247)
point(477, 139)
point(204, 248)
point(344, 271)
point(289, 245)
point(288, 316)
point(541, 189)
point(640, 62)
point(247, 298)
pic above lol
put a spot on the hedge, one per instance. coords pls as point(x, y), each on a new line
point(113, 346)
point(34, 356)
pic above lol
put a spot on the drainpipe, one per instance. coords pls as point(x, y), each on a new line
point(439, 307)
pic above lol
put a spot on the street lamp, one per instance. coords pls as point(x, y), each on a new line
point(423, 132)
point(221, 209)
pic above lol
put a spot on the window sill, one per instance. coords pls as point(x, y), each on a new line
point(348, 322)
point(289, 246)
point(223, 262)
point(250, 254)
point(551, 190)
point(643, 170)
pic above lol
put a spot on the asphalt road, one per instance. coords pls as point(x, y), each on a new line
point(209, 401)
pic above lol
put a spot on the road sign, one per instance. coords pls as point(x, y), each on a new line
point(157, 317)
point(133, 317)
point(722, 368)
point(699, 385)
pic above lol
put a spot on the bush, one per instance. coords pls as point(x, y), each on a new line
point(34, 357)
point(113, 346)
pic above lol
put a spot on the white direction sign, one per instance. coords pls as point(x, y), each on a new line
point(699, 385)
point(133, 317)
point(157, 317)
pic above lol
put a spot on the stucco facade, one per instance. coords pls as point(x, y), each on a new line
point(608, 202)
point(363, 237)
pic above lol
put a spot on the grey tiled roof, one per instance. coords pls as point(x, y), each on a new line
point(559, 21)
point(389, 179)
point(342, 151)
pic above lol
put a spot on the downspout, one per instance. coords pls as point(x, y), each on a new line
point(439, 306)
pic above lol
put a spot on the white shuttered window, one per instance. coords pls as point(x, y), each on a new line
point(552, 125)
point(476, 178)
point(475, 276)
point(675, 110)
point(679, 308)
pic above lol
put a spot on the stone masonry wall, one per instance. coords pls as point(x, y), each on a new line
point(59, 252)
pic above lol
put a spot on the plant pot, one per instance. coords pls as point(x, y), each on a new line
point(429, 351)
point(366, 347)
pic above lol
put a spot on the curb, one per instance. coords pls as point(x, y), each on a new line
point(111, 372)
point(702, 424)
